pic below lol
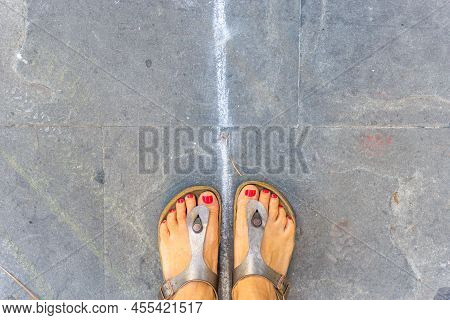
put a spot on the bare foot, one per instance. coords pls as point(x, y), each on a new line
point(276, 248)
point(175, 247)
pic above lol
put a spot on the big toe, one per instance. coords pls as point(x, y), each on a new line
point(210, 253)
point(209, 199)
point(249, 192)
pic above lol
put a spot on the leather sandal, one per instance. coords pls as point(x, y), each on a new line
point(253, 264)
point(197, 223)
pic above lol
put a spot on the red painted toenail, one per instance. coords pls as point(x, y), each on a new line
point(250, 193)
point(190, 195)
point(266, 191)
point(171, 210)
point(274, 196)
point(280, 206)
point(207, 199)
point(181, 200)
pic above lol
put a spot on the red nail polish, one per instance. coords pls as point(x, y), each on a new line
point(274, 196)
point(280, 206)
point(266, 191)
point(171, 210)
point(181, 200)
point(250, 193)
point(207, 199)
point(190, 195)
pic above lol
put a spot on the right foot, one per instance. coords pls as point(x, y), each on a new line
point(276, 248)
point(175, 246)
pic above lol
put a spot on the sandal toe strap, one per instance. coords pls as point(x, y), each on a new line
point(197, 222)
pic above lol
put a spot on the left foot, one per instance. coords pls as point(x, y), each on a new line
point(175, 247)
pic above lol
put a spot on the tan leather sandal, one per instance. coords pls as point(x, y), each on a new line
point(253, 264)
point(197, 223)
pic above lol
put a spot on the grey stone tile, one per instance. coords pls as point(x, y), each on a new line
point(373, 211)
point(362, 64)
point(329, 263)
point(384, 189)
point(51, 210)
point(133, 203)
point(262, 58)
point(130, 241)
point(119, 63)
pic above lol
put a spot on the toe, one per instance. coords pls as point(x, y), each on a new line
point(208, 199)
point(181, 210)
point(211, 249)
point(248, 192)
point(273, 206)
point(241, 229)
point(290, 226)
point(171, 220)
point(164, 231)
point(281, 218)
point(264, 198)
point(191, 202)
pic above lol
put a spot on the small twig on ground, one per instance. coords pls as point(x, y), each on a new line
point(20, 284)
point(235, 167)
point(226, 137)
